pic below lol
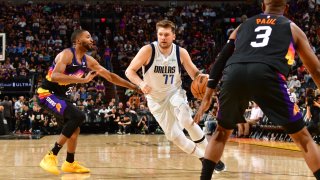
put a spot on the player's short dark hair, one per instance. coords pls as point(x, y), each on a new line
point(76, 34)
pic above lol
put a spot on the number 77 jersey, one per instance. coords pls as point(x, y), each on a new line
point(163, 74)
point(267, 39)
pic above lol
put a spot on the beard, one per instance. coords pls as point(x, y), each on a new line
point(87, 46)
point(165, 45)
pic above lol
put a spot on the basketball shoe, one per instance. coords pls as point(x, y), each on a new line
point(220, 166)
point(74, 167)
point(50, 163)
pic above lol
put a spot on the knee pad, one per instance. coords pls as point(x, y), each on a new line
point(184, 116)
point(186, 121)
point(184, 144)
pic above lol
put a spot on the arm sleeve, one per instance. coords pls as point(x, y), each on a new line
point(218, 66)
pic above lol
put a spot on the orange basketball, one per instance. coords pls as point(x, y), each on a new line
point(198, 87)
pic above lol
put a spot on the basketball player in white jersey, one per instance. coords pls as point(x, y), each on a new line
point(161, 63)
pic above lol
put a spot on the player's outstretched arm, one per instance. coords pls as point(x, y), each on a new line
point(309, 59)
point(205, 104)
point(62, 60)
point(215, 75)
point(109, 76)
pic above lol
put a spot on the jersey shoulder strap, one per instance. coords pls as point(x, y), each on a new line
point(151, 59)
point(178, 57)
point(74, 60)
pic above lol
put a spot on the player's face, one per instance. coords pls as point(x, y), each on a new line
point(165, 37)
point(86, 41)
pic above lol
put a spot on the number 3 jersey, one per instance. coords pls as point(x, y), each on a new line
point(267, 39)
point(163, 74)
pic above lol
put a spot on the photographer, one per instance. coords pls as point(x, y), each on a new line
point(124, 122)
point(313, 114)
point(113, 120)
point(37, 119)
point(8, 112)
point(143, 125)
point(24, 124)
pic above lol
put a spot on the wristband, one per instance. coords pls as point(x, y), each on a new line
point(197, 74)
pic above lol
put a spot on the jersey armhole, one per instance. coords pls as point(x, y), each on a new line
point(73, 58)
point(178, 57)
point(292, 39)
point(151, 59)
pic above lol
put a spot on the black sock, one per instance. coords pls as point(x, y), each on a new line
point(70, 157)
point(207, 169)
point(55, 150)
point(317, 174)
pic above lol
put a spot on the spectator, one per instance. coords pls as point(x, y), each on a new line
point(313, 114)
point(37, 120)
point(100, 87)
point(124, 122)
point(8, 112)
point(143, 125)
point(114, 118)
point(18, 106)
point(256, 115)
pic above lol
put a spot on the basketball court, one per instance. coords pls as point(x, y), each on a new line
point(151, 157)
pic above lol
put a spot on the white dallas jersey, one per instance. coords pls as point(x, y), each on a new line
point(163, 74)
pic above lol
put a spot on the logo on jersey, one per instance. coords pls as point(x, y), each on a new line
point(58, 107)
point(164, 69)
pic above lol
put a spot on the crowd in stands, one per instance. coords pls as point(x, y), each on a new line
point(36, 32)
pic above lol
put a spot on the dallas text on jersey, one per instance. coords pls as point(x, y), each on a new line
point(165, 69)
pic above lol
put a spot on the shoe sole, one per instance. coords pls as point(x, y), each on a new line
point(224, 169)
point(73, 171)
point(42, 165)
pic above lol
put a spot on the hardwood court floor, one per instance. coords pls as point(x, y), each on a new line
point(148, 157)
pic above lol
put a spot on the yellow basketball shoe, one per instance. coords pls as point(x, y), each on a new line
point(50, 163)
point(74, 167)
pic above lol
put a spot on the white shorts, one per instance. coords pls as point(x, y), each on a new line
point(164, 112)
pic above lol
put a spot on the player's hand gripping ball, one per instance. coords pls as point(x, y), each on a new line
point(198, 86)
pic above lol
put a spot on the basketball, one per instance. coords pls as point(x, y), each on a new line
point(198, 87)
